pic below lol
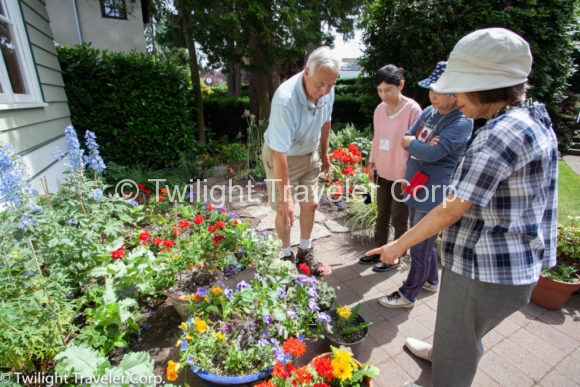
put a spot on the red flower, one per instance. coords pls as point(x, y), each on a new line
point(209, 207)
point(211, 228)
point(164, 191)
point(176, 231)
point(294, 347)
point(220, 224)
point(145, 235)
point(160, 198)
point(217, 239)
point(235, 222)
point(266, 383)
point(323, 367)
point(157, 241)
point(304, 268)
point(118, 254)
point(168, 243)
point(280, 371)
point(184, 224)
point(223, 211)
point(142, 188)
point(198, 219)
point(304, 375)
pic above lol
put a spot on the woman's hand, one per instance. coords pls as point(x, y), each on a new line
point(390, 253)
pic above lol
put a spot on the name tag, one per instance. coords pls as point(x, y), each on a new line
point(384, 144)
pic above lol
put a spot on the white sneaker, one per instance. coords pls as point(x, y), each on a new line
point(419, 348)
point(430, 287)
point(396, 300)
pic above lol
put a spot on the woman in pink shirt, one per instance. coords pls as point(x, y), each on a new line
point(392, 118)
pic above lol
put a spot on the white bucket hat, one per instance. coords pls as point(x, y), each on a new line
point(486, 59)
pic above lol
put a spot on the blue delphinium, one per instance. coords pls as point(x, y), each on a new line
point(74, 151)
point(14, 188)
point(97, 194)
point(93, 159)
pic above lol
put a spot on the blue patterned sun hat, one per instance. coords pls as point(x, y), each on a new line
point(437, 72)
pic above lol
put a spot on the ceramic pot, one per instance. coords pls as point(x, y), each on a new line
point(213, 380)
point(367, 381)
point(210, 379)
point(337, 341)
point(552, 294)
point(180, 305)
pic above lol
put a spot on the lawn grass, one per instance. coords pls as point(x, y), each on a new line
point(568, 193)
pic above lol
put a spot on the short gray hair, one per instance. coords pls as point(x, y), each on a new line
point(323, 56)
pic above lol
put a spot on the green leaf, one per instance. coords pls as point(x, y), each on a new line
point(84, 361)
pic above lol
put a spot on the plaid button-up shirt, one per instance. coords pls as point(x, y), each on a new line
point(509, 173)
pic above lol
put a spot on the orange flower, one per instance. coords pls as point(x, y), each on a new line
point(294, 347)
point(172, 370)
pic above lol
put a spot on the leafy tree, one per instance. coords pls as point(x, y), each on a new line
point(417, 34)
point(264, 36)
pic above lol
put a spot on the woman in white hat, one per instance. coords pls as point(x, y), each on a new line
point(500, 223)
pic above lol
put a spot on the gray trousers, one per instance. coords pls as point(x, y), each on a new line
point(466, 311)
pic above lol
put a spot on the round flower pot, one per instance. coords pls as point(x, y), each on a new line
point(211, 380)
point(180, 305)
point(552, 294)
point(367, 381)
point(354, 344)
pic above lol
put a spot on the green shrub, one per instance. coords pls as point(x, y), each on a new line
point(136, 104)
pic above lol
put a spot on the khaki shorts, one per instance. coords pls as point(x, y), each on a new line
point(303, 173)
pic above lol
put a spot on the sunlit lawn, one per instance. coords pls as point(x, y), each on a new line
point(568, 193)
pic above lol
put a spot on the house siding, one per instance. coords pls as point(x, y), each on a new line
point(36, 133)
point(86, 25)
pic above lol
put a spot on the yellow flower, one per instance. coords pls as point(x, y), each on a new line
point(342, 369)
point(172, 370)
point(343, 311)
point(183, 326)
point(216, 290)
point(221, 336)
point(342, 355)
point(200, 325)
point(188, 337)
point(178, 343)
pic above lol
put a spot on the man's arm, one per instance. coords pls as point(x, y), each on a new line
point(324, 138)
point(283, 189)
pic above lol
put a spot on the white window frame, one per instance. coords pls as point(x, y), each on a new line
point(33, 95)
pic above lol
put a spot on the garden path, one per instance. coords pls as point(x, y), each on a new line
point(533, 347)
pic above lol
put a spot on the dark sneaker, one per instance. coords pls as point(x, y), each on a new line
point(430, 287)
point(316, 268)
point(381, 267)
point(369, 260)
point(396, 300)
point(290, 258)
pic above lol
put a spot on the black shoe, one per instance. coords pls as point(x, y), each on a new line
point(291, 258)
point(380, 267)
point(369, 260)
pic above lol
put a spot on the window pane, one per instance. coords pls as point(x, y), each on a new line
point(114, 9)
point(10, 57)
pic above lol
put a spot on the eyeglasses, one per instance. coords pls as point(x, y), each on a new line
point(312, 107)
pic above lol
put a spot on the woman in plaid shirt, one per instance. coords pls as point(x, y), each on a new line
point(500, 220)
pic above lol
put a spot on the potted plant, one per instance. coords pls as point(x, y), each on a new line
point(558, 283)
point(346, 327)
point(238, 332)
point(326, 295)
point(335, 368)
